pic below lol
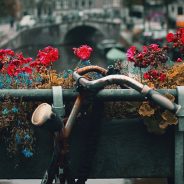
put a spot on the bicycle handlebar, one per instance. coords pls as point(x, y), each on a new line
point(79, 99)
point(91, 68)
point(122, 80)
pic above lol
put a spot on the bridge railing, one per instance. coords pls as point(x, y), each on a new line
point(71, 94)
point(120, 95)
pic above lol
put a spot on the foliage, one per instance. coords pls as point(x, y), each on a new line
point(159, 74)
point(9, 8)
point(19, 72)
point(118, 109)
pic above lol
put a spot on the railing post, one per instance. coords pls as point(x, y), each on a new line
point(59, 108)
point(58, 105)
point(179, 140)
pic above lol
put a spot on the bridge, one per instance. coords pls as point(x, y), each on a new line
point(65, 32)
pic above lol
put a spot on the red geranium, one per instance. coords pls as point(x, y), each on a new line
point(27, 69)
point(170, 37)
point(146, 75)
point(34, 64)
point(11, 70)
point(177, 40)
point(6, 53)
point(182, 38)
point(48, 55)
point(22, 59)
point(155, 47)
point(180, 31)
point(151, 55)
point(162, 77)
point(83, 52)
point(179, 60)
point(131, 53)
point(155, 75)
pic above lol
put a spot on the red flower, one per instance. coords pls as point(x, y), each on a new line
point(144, 64)
point(155, 47)
point(48, 55)
point(162, 77)
point(54, 55)
point(22, 60)
point(15, 61)
point(131, 53)
point(182, 39)
point(5, 53)
point(43, 58)
point(147, 75)
point(140, 56)
point(83, 52)
point(27, 70)
point(154, 74)
point(9, 52)
point(179, 60)
point(144, 49)
point(180, 31)
point(34, 64)
point(170, 37)
point(11, 70)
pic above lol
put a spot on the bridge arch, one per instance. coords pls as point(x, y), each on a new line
point(83, 33)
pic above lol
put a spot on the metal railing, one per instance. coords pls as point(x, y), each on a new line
point(114, 95)
point(71, 94)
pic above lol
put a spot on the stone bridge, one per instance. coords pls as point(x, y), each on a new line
point(65, 33)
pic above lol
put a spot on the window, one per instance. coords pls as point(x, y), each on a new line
point(83, 3)
point(135, 14)
point(76, 4)
point(90, 3)
point(172, 8)
point(180, 10)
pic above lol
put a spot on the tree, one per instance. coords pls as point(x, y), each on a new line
point(9, 8)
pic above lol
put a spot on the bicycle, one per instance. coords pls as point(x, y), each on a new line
point(64, 130)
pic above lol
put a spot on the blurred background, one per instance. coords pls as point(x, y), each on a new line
point(109, 26)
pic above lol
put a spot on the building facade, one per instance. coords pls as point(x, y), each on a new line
point(87, 4)
point(176, 9)
point(59, 8)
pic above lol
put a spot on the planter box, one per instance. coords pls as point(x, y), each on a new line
point(123, 149)
point(118, 149)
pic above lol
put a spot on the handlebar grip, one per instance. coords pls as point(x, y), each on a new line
point(163, 101)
